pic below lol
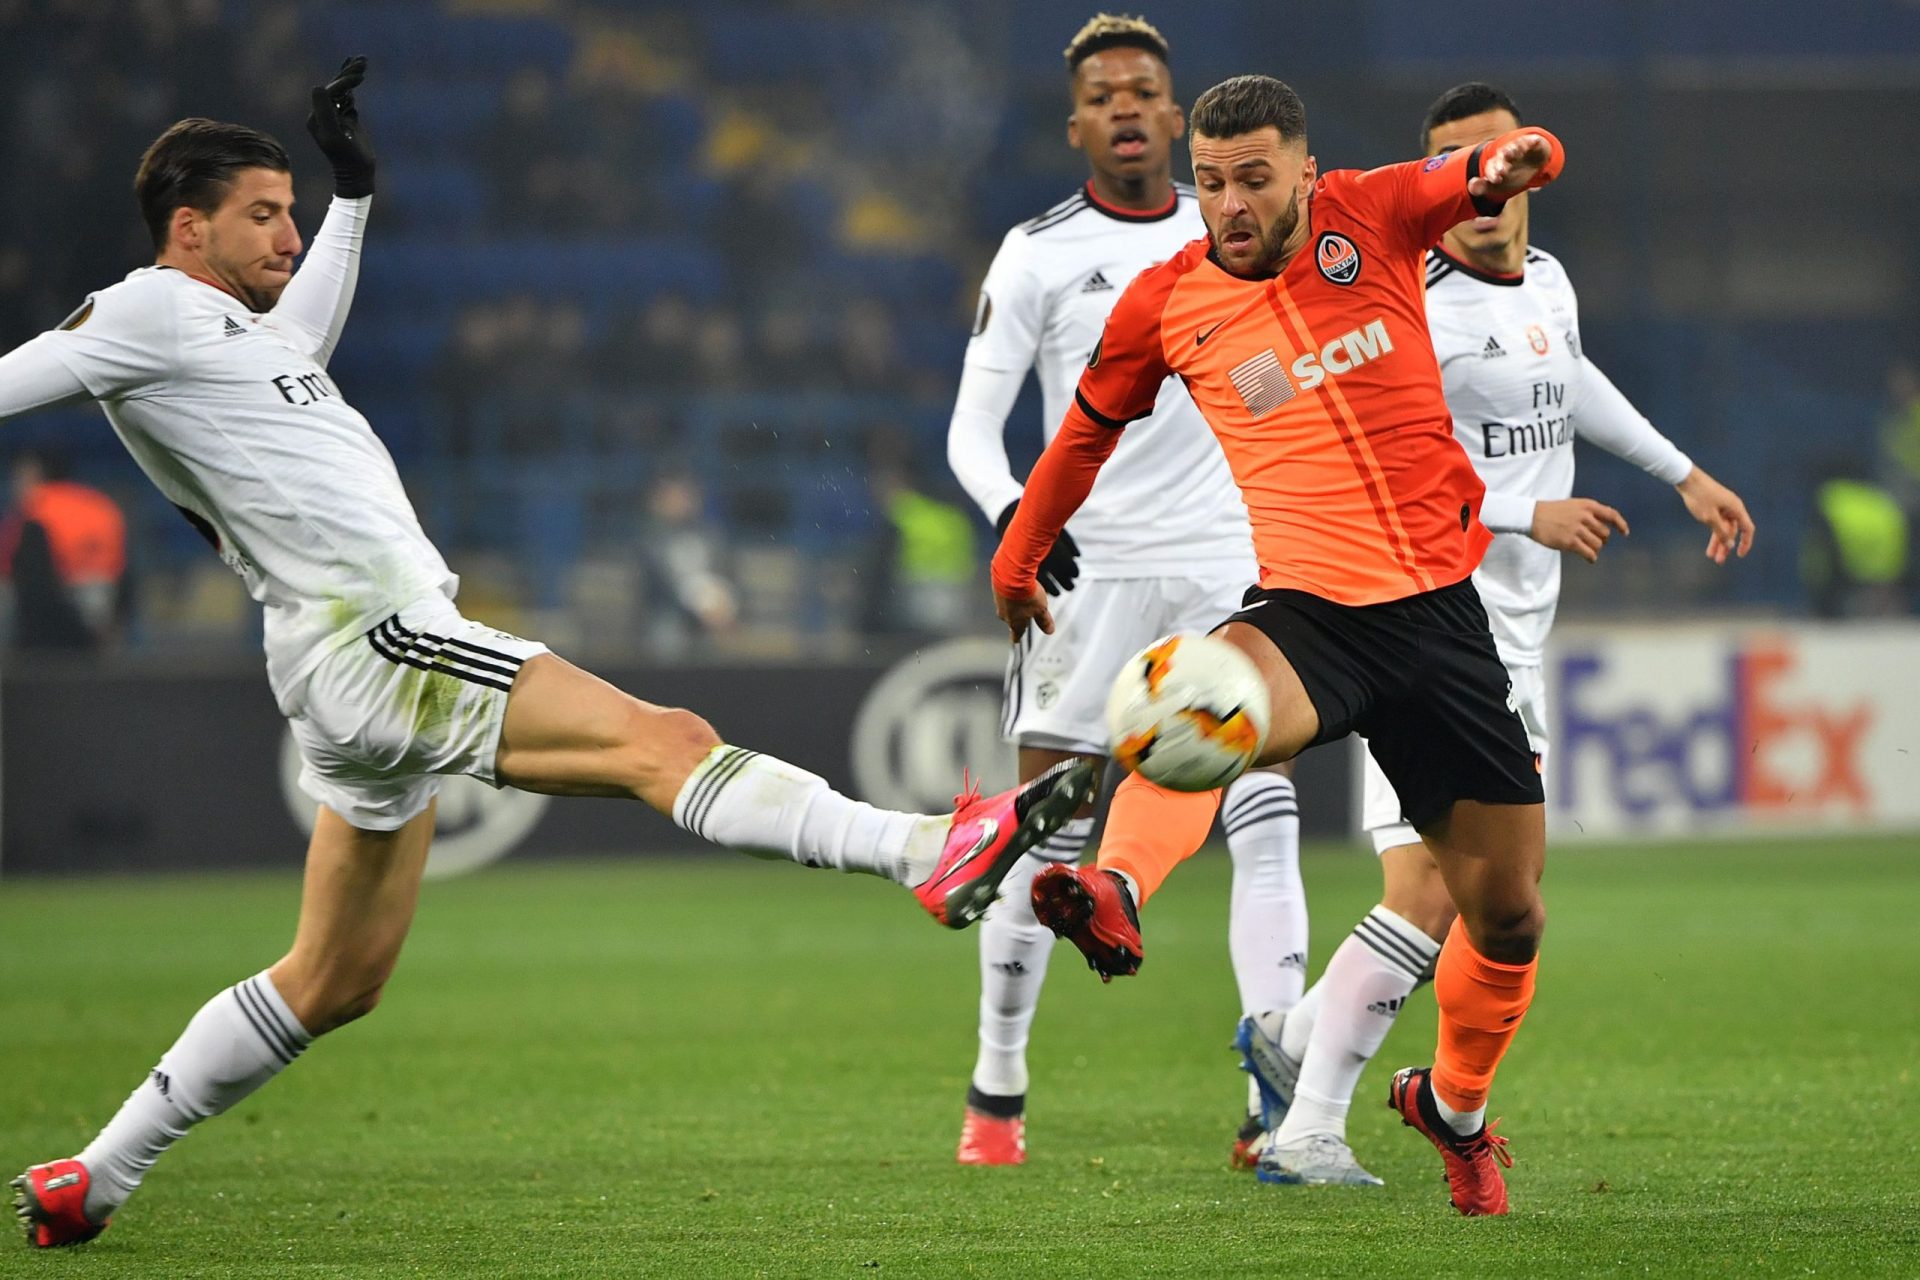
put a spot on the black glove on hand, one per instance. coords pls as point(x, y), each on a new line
point(1061, 567)
point(335, 125)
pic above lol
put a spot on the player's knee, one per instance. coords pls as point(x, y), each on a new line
point(1509, 932)
point(663, 743)
point(362, 1004)
point(683, 733)
point(347, 1003)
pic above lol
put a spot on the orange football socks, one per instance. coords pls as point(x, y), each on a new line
point(1481, 1004)
point(1151, 830)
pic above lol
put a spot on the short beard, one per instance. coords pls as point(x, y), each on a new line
point(1273, 244)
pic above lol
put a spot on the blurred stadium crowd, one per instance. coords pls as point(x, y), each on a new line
point(662, 304)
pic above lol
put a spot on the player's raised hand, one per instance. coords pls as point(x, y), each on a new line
point(1720, 509)
point(1579, 525)
point(334, 123)
point(1507, 169)
point(1019, 613)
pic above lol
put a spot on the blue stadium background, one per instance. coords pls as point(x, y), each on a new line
point(739, 242)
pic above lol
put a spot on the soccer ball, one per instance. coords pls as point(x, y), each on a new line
point(1188, 712)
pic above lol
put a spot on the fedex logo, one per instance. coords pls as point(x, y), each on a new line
point(1355, 347)
point(1666, 732)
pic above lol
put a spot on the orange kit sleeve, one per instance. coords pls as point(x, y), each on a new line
point(1060, 482)
point(1425, 197)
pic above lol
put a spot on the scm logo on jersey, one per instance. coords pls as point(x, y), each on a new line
point(1339, 260)
point(1355, 347)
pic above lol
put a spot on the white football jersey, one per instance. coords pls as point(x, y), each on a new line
point(1165, 504)
point(231, 416)
point(1520, 391)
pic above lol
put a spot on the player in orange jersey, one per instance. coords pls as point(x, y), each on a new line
point(1299, 328)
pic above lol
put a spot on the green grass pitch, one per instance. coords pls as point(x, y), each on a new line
point(723, 1067)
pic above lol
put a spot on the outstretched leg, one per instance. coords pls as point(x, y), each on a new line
point(568, 732)
point(356, 905)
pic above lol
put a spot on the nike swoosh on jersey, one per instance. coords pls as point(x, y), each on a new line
point(1200, 339)
point(989, 831)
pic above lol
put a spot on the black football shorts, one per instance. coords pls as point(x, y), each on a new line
point(1420, 679)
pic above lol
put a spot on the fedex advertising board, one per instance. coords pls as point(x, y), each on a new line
point(1685, 729)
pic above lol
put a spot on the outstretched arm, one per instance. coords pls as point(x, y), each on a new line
point(34, 377)
point(1425, 197)
point(317, 299)
point(315, 302)
point(1060, 482)
point(1605, 416)
point(118, 343)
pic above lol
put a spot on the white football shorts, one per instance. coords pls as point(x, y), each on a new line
point(1380, 808)
point(421, 695)
point(1057, 685)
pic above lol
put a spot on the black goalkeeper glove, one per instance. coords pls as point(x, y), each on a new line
point(335, 125)
point(1061, 567)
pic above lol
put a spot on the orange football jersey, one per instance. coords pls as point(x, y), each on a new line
point(1320, 383)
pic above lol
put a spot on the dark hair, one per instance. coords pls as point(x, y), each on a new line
point(1113, 31)
point(1470, 99)
point(192, 165)
point(1246, 103)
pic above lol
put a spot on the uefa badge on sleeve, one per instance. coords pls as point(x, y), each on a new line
point(1338, 259)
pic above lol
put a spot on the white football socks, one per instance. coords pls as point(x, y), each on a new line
point(1267, 925)
point(1464, 1123)
point(1365, 984)
point(1014, 950)
point(1297, 1032)
point(771, 809)
point(238, 1041)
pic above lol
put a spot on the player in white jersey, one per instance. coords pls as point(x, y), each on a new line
point(1506, 331)
point(211, 366)
point(1161, 545)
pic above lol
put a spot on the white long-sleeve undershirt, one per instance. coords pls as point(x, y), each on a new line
point(317, 299)
point(33, 376)
point(976, 436)
point(1607, 418)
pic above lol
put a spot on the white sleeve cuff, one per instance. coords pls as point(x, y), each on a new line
point(1673, 469)
point(1507, 512)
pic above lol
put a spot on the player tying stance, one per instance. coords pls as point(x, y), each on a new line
point(1298, 327)
point(211, 366)
point(1161, 545)
point(1506, 330)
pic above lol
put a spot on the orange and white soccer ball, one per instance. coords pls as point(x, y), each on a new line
point(1189, 712)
